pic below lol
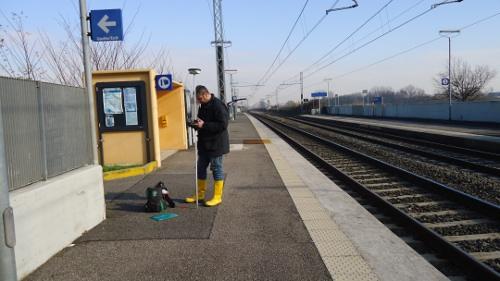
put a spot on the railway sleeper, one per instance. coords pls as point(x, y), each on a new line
point(376, 179)
point(439, 213)
point(389, 189)
point(409, 196)
point(457, 238)
point(362, 172)
point(484, 256)
point(420, 204)
point(460, 222)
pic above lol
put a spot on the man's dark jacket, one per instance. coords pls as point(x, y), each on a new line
point(213, 139)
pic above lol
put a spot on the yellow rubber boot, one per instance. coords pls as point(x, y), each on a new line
point(202, 186)
point(217, 199)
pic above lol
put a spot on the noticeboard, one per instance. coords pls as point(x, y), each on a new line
point(121, 106)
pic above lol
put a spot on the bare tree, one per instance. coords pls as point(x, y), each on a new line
point(411, 93)
point(467, 82)
point(387, 94)
point(20, 56)
point(61, 62)
point(290, 104)
point(65, 59)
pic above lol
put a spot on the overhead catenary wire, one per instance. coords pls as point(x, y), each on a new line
point(391, 57)
point(296, 47)
point(418, 46)
point(323, 58)
point(370, 41)
point(349, 36)
point(427, 42)
point(285, 42)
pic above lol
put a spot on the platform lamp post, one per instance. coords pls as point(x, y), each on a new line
point(194, 72)
point(364, 93)
point(277, 103)
point(449, 34)
point(231, 85)
point(327, 80)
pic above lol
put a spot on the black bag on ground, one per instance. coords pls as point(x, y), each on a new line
point(155, 202)
point(166, 196)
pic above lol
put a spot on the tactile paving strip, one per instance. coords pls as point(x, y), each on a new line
point(313, 215)
point(300, 193)
point(349, 268)
point(320, 224)
point(326, 235)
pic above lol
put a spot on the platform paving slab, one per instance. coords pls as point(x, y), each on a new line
point(256, 234)
point(489, 133)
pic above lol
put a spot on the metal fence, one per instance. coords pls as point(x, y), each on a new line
point(46, 130)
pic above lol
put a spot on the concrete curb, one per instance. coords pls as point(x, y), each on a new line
point(130, 172)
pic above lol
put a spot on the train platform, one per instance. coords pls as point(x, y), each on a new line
point(485, 135)
point(281, 219)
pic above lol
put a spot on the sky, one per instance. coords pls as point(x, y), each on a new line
point(257, 30)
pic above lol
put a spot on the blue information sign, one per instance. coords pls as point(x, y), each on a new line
point(106, 25)
point(164, 82)
point(318, 94)
point(377, 99)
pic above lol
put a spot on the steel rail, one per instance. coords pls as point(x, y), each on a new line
point(452, 160)
point(377, 131)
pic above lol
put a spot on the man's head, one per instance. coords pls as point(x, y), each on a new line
point(202, 94)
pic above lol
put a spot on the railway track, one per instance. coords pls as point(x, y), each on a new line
point(482, 161)
point(458, 225)
point(478, 179)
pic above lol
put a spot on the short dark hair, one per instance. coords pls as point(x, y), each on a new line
point(200, 88)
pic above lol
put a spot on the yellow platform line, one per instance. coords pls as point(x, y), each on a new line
point(130, 172)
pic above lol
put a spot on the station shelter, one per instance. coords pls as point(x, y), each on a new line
point(135, 121)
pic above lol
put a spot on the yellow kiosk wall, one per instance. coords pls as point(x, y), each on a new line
point(172, 118)
point(123, 147)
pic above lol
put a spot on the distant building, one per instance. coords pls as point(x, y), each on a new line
point(495, 95)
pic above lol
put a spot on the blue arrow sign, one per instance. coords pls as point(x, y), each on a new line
point(377, 100)
point(318, 94)
point(106, 25)
point(164, 82)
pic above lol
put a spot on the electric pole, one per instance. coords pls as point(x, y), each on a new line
point(449, 34)
point(328, 91)
point(301, 93)
point(219, 48)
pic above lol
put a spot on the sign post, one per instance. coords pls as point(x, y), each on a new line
point(87, 69)
point(105, 25)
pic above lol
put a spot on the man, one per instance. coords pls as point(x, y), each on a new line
point(213, 143)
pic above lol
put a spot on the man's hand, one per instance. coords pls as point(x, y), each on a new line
point(199, 123)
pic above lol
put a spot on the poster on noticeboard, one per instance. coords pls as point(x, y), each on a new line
point(130, 101)
point(112, 100)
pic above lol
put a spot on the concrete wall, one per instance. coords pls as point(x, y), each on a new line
point(488, 111)
point(477, 111)
point(50, 215)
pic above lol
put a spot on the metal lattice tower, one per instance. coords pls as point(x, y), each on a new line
point(219, 48)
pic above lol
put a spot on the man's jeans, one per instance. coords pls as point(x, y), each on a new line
point(215, 165)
